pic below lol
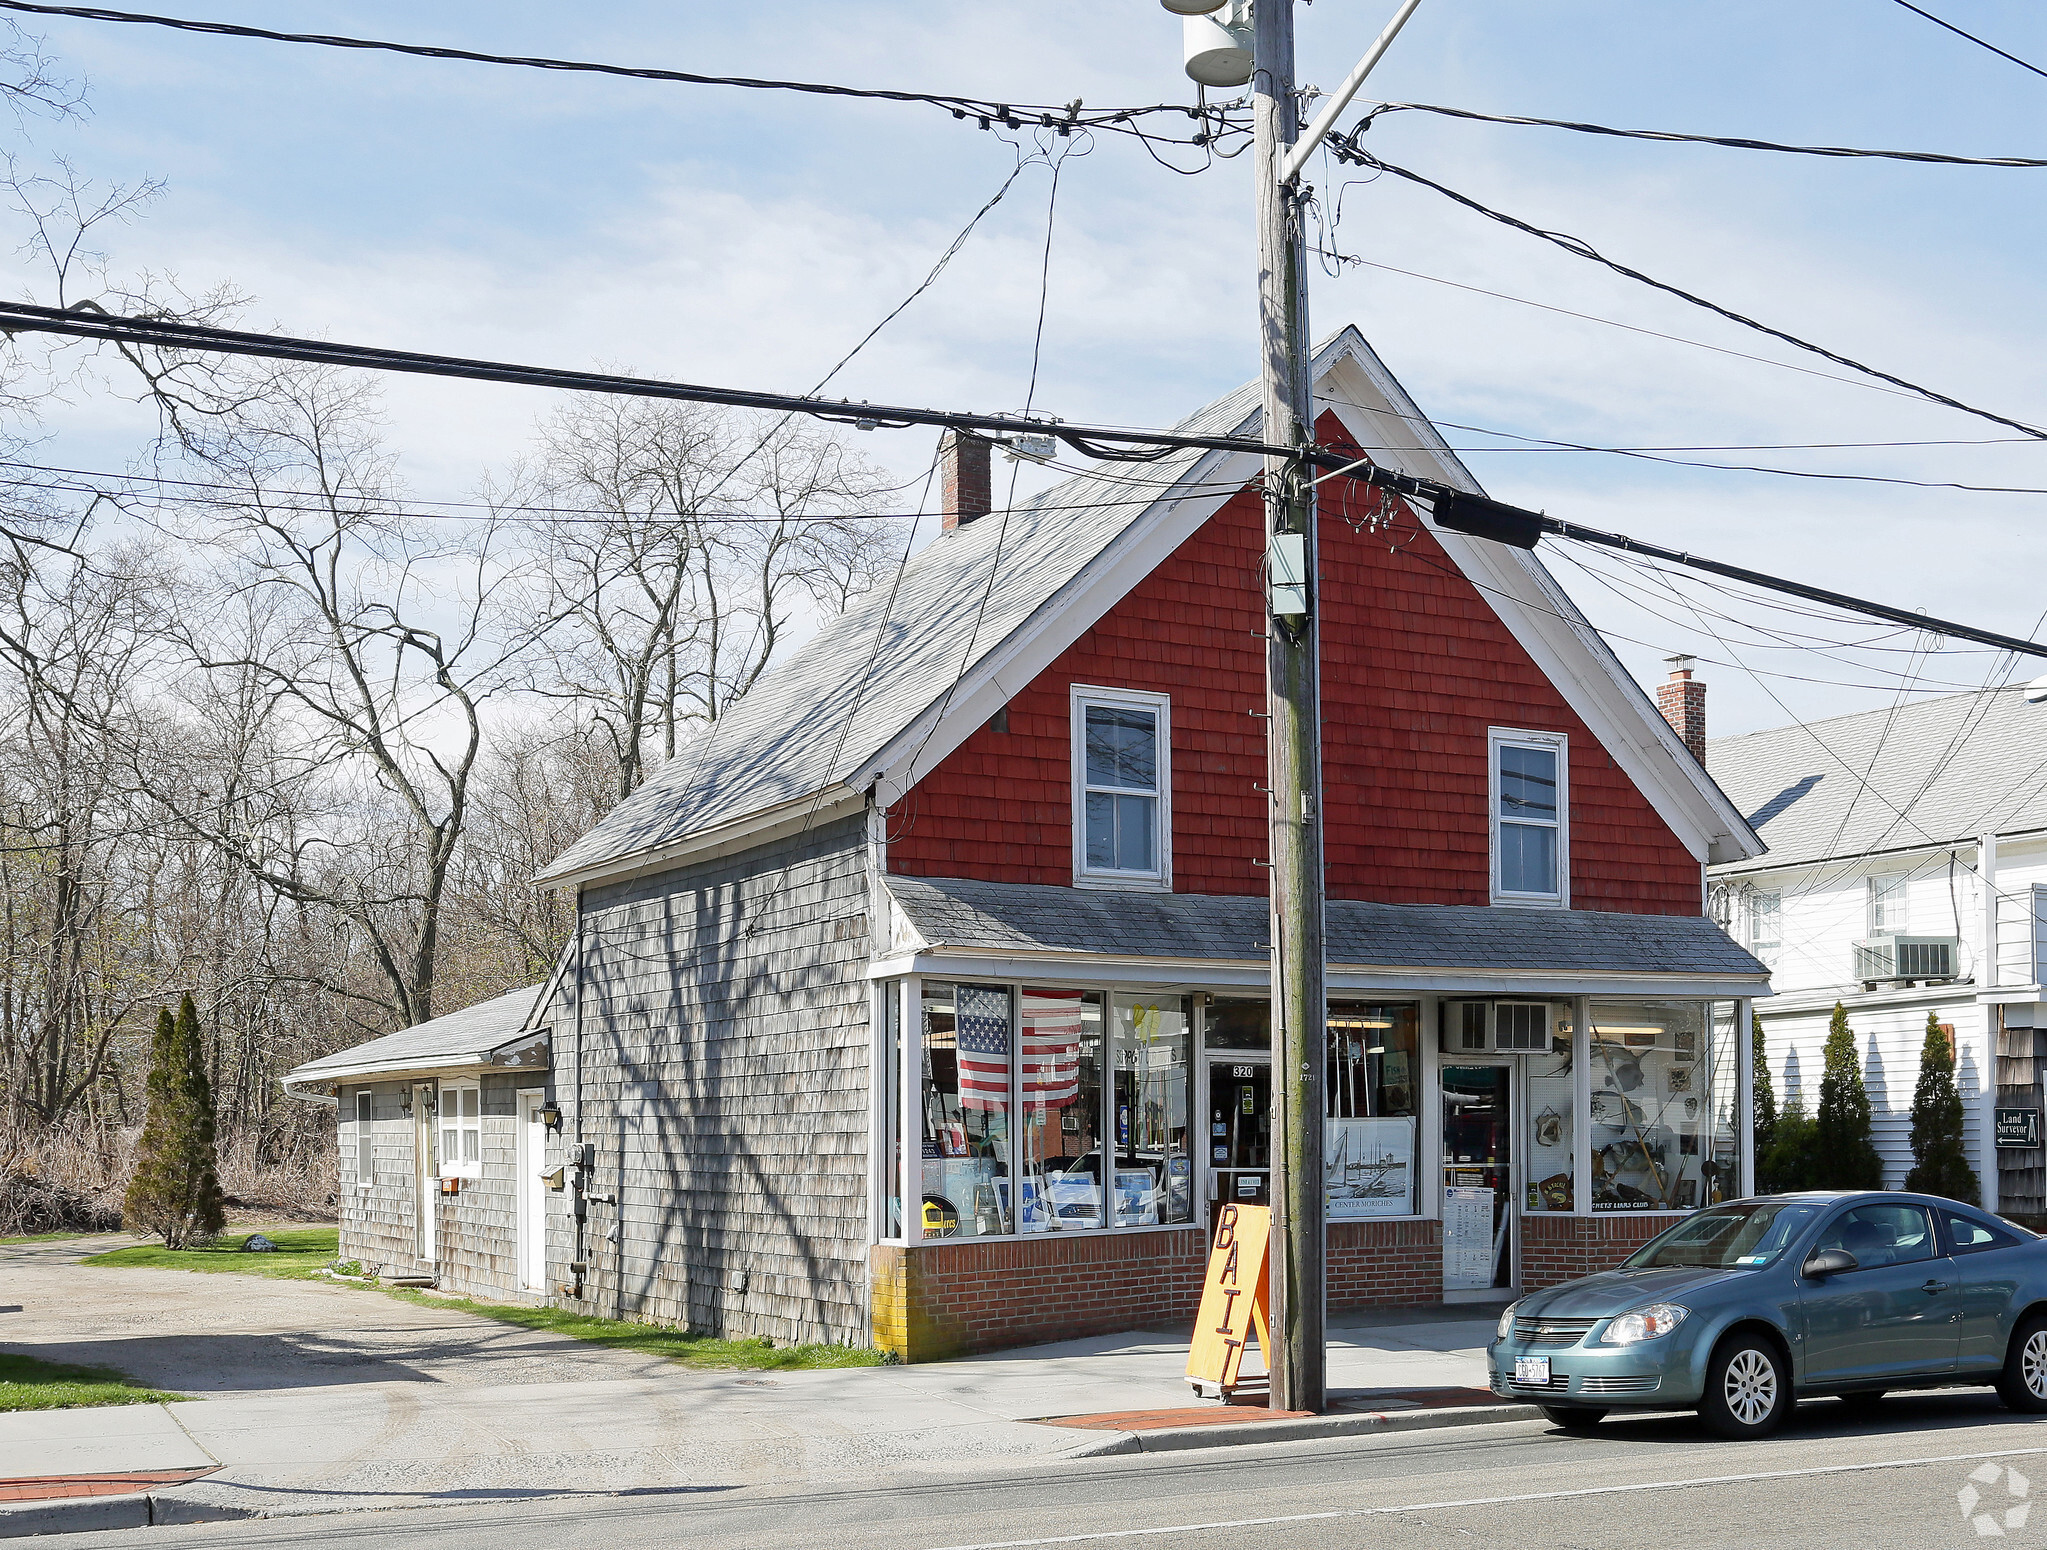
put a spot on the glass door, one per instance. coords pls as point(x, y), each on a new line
point(1478, 1177)
point(1239, 1133)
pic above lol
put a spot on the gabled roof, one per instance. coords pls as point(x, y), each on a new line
point(1939, 772)
point(884, 691)
point(475, 1036)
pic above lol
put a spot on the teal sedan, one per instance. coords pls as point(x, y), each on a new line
point(1742, 1309)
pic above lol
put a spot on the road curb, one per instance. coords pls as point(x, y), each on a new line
point(1179, 1439)
point(90, 1514)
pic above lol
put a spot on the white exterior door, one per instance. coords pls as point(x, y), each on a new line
point(532, 1193)
point(423, 1166)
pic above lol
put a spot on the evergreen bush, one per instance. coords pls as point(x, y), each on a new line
point(175, 1189)
point(1940, 1164)
point(1844, 1157)
point(1788, 1165)
point(1764, 1093)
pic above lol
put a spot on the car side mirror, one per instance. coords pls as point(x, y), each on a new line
point(1830, 1262)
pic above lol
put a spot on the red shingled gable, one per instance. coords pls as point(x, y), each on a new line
point(1416, 667)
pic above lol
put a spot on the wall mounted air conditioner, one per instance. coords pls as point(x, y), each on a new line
point(1497, 1028)
point(1907, 958)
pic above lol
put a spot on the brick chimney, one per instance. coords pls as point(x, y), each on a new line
point(1682, 699)
point(967, 493)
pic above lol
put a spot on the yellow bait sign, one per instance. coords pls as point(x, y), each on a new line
point(1234, 1298)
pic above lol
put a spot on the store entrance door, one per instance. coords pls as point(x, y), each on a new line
point(1239, 1133)
point(1480, 1215)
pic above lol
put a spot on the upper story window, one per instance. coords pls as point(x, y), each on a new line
point(1531, 817)
point(1887, 905)
point(1763, 916)
point(1122, 788)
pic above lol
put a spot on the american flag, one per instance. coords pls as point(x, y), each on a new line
point(982, 1036)
point(1051, 1047)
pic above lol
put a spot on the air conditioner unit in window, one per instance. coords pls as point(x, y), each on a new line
point(1496, 1028)
point(1907, 958)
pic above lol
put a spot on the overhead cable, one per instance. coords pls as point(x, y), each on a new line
point(1459, 510)
point(1979, 42)
point(988, 112)
point(1668, 136)
point(1578, 247)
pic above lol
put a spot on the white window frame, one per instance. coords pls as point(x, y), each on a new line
point(1558, 743)
point(1898, 885)
point(1161, 706)
point(448, 1116)
point(365, 1139)
point(1752, 914)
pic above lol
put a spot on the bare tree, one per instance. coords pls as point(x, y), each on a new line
point(677, 546)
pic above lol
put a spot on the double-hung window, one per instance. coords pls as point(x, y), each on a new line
point(1122, 789)
point(461, 1116)
point(1765, 925)
point(1887, 896)
point(1531, 817)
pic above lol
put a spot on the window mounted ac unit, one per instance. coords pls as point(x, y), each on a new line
point(1497, 1028)
point(1907, 958)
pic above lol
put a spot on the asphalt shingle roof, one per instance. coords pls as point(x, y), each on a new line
point(457, 1038)
point(814, 719)
point(1029, 917)
point(1936, 772)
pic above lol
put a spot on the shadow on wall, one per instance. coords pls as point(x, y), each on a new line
point(722, 1145)
point(1793, 1083)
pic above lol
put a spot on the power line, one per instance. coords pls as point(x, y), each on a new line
point(1580, 248)
point(986, 111)
point(1980, 43)
point(1939, 158)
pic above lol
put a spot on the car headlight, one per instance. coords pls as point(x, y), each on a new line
point(1506, 1321)
point(1649, 1323)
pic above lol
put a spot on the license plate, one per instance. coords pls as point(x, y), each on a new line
point(1532, 1369)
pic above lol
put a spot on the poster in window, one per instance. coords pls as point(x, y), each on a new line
point(1369, 1167)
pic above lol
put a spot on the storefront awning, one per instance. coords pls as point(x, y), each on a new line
point(966, 928)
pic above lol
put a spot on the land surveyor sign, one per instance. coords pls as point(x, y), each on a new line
point(1234, 1299)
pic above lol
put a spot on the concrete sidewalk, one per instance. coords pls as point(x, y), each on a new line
point(315, 1397)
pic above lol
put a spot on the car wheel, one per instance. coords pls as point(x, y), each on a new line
point(2023, 1383)
point(1748, 1390)
point(1574, 1418)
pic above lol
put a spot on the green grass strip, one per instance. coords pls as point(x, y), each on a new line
point(29, 1383)
point(676, 1345)
point(300, 1251)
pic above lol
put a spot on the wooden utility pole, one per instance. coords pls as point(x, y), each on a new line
point(1293, 686)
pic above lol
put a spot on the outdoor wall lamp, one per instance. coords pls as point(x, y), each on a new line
point(551, 1115)
point(451, 1186)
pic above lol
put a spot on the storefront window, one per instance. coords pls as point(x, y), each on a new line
point(1152, 1181)
point(1060, 1120)
point(966, 1133)
point(1662, 1120)
point(1373, 1055)
point(888, 1099)
point(1550, 1131)
point(1232, 1024)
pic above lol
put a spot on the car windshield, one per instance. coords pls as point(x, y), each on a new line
point(1735, 1237)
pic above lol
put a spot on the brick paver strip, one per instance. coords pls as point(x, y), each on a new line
point(37, 1488)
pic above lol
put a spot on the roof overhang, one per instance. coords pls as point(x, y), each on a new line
point(528, 1050)
point(758, 828)
point(1105, 969)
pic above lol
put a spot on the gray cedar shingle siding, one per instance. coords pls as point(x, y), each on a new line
point(724, 1081)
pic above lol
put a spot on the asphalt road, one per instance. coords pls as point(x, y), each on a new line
point(1892, 1477)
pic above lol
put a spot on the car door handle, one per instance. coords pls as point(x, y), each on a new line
point(1933, 1287)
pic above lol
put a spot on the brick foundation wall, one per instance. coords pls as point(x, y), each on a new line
point(1377, 1264)
point(956, 1298)
point(950, 1299)
point(1562, 1248)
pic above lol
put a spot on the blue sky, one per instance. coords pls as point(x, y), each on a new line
point(750, 238)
